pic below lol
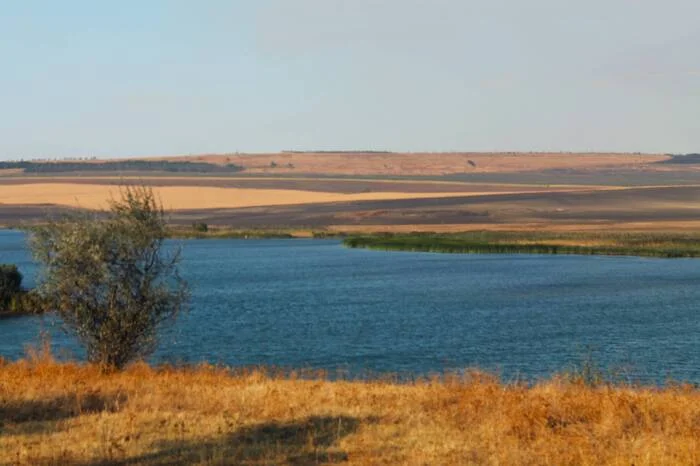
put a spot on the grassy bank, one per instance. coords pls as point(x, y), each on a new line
point(54, 413)
point(537, 242)
point(234, 233)
point(178, 232)
point(222, 232)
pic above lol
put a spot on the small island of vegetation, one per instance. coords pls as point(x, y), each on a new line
point(668, 245)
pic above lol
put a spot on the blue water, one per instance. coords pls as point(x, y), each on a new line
point(316, 304)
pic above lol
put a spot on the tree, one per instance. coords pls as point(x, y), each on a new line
point(200, 227)
point(10, 284)
point(109, 279)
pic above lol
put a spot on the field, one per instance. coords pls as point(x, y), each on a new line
point(368, 192)
point(96, 196)
point(58, 414)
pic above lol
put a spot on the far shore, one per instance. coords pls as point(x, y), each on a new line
point(641, 243)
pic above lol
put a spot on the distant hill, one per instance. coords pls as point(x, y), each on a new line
point(336, 152)
point(352, 163)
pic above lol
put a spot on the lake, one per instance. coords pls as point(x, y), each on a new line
point(315, 304)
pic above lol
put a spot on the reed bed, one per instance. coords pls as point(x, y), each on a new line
point(67, 413)
point(669, 245)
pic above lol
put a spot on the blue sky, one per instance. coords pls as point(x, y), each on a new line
point(129, 78)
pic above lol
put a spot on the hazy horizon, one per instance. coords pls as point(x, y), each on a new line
point(83, 79)
point(67, 158)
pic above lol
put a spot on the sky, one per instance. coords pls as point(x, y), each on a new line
point(162, 77)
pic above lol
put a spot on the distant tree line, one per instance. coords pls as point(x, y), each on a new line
point(683, 159)
point(121, 165)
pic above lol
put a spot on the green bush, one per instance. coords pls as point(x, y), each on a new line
point(26, 302)
point(10, 284)
point(200, 227)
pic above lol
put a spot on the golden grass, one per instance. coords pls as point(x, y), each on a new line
point(55, 413)
point(92, 196)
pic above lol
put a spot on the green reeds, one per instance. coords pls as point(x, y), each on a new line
point(612, 244)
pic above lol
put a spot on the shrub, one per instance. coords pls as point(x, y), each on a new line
point(10, 284)
point(109, 279)
point(200, 227)
point(26, 302)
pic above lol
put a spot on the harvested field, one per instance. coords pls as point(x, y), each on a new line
point(652, 175)
point(94, 196)
point(329, 185)
point(566, 209)
point(645, 208)
point(356, 190)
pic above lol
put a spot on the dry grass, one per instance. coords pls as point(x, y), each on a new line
point(73, 414)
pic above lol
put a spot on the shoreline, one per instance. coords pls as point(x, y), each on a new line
point(653, 244)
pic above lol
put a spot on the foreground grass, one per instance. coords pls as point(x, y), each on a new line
point(537, 242)
point(55, 413)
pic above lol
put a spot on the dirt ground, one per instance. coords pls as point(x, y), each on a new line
point(325, 184)
point(584, 208)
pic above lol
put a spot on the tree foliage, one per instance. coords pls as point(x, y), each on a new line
point(109, 278)
point(10, 284)
point(200, 227)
